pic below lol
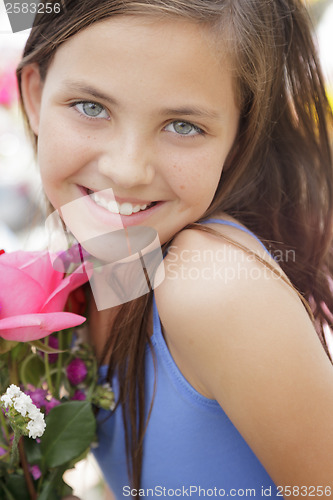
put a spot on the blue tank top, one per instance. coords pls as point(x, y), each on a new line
point(191, 448)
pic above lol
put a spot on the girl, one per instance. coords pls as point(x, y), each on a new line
point(213, 114)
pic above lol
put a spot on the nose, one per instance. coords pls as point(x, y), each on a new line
point(128, 162)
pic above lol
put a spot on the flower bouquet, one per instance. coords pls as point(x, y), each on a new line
point(48, 378)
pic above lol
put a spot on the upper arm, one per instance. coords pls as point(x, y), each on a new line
point(251, 345)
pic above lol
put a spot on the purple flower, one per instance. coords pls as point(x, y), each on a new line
point(2, 451)
point(51, 404)
point(79, 396)
point(35, 471)
point(38, 397)
point(76, 371)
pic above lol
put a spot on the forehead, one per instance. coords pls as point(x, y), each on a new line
point(147, 56)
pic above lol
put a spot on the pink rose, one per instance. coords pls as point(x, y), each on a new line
point(33, 296)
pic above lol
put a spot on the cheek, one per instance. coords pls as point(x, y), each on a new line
point(60, 150)
point(197, 177)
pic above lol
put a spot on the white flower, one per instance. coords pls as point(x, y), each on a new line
point(7, 400)
point(37, 426)
point(33, 411)
point(23, 403)
point(11, 393)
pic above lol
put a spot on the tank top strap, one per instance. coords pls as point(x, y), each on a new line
point(238, 226)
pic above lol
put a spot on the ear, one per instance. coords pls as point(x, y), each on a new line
point(32, 87)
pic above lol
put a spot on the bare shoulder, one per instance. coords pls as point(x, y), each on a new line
point(212, 292)
point(242, 336)
point(204, 270)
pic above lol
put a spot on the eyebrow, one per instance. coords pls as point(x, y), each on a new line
point(80, 86)
point(192, 111)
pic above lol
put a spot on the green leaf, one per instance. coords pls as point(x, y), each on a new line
point(4, 378)
point(70, 429)
point(43, 347)
point(6, 345)
point(32, 451)
point(4, 493)
point(48, 492)
point(54, 488)
point(19, 349)
point(32, 370)
point(17, 487)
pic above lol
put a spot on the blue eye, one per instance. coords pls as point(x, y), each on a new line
point(184, 128)
point(91, 109)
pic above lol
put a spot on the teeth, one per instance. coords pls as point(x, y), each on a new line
point(115, 207)
point(126, 209)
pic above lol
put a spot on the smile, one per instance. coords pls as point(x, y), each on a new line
point(125, 208)
point(113, 206)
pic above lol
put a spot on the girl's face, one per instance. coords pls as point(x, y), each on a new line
point(144, 109)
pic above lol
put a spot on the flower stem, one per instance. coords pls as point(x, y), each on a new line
point(13, 369)
point(4, 425)
point(59, 365)
point(14, 453)
point(17, 445)
point(27, 475)
point(92, 387)
point(47, 369)
point(13, 372)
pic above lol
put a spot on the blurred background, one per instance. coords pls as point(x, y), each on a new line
point(20, 192)
point(21, 197)
point(22, 204)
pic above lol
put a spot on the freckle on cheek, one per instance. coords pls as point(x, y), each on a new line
point(177, 167)
point(182, 187)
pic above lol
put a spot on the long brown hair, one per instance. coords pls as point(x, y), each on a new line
point(277, 179)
